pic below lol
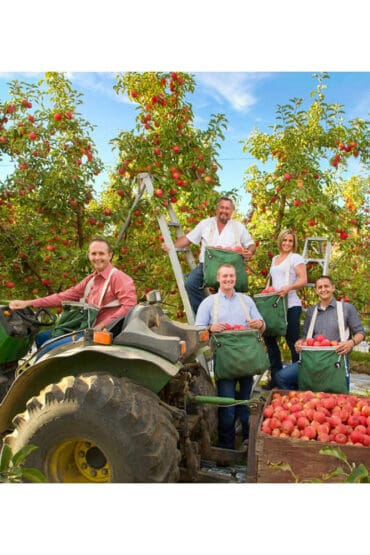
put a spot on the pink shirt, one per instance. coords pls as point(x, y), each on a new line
point(120, 287)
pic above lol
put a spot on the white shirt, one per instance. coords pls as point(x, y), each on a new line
point(278, 276)
point(206, 233)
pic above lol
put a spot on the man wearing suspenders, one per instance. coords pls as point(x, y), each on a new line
point(219, 230)
point(107, 287)
point(231, 308)
point(325, 323)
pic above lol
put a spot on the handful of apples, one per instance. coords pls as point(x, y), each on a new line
point(234, 327)
point(268, 290)
point(319, 341)
point(235, 249)
point(326, 417)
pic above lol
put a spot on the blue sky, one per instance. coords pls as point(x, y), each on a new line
point(248, 99)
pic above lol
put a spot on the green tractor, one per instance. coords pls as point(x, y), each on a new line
point(132, 404)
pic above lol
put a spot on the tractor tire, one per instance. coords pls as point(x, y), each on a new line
point(203, 385)
point(98, 428)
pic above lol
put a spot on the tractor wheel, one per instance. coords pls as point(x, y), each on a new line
point(98, 428)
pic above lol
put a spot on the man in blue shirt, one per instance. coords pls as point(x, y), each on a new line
point(326, 323)
point(230, 311)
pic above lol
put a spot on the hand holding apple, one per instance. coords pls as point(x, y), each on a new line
point(283, 291)
point(255, 324)
point(298, 345)
point(344, 347)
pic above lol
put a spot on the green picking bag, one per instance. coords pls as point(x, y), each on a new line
point(322, 369)
point(76, 316)
point(213, 258)
point(237, 354)
point(273, 310)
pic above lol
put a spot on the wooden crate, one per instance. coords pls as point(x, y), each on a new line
point(303, 456)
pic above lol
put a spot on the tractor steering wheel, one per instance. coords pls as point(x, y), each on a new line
point(36, 318)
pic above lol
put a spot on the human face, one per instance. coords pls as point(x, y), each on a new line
point(224, 211)
point(227, 279)
point(99, 255)
point(287, 243)
point(325, 289)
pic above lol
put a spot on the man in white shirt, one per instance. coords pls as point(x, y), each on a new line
point(219, 230)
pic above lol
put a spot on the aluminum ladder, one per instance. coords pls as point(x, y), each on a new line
point(317, 250)
point(146, 184)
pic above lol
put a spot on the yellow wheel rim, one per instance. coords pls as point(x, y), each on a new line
point(78, 461)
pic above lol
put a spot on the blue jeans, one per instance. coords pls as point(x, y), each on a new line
point(292, 334)
point(44, 336)
point(287, 377)
point(227, 416)
point(194, 285)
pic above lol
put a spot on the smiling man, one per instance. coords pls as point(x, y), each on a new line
point(220, 311)
point(109, 288)
point(326, 324)
point(220, 230)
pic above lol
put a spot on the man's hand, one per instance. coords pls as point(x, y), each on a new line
point(344, 347)
point(255, 324)
point(18, 305)
point(219, 326)
point(247, 254)
point(298, 345)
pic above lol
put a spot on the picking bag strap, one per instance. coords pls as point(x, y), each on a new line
point(312, 323)
point(216, 301)
point(343, 333)
point(89, 286)
point(236, 233)
point(235, 230)
point(212, 229)
point(244, 305)
point(287, 270)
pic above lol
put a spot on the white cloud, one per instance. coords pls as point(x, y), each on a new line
point(235, 88)
point(101, 82)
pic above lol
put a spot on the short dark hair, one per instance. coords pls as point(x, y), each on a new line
point(101, 240)
point(324, 277)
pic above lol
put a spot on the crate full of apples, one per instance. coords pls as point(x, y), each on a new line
point(293, 427)
point(326, 417)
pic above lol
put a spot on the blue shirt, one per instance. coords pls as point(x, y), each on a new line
point(230, 310)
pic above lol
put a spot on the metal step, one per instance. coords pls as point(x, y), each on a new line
point(317, 250)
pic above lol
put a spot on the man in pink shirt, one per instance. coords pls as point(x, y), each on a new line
point(120, 292)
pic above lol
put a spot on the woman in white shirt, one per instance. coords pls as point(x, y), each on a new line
point(288, 274)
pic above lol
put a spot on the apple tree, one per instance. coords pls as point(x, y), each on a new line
point(44, 198)
point(312, 177)
point(182, 161)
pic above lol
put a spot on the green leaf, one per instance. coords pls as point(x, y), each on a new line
point(334, 452)
point(22, 454)
point(33, 475)
point(359, 474)
point(5, 457)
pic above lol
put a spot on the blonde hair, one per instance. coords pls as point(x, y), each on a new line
point(283, 234)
